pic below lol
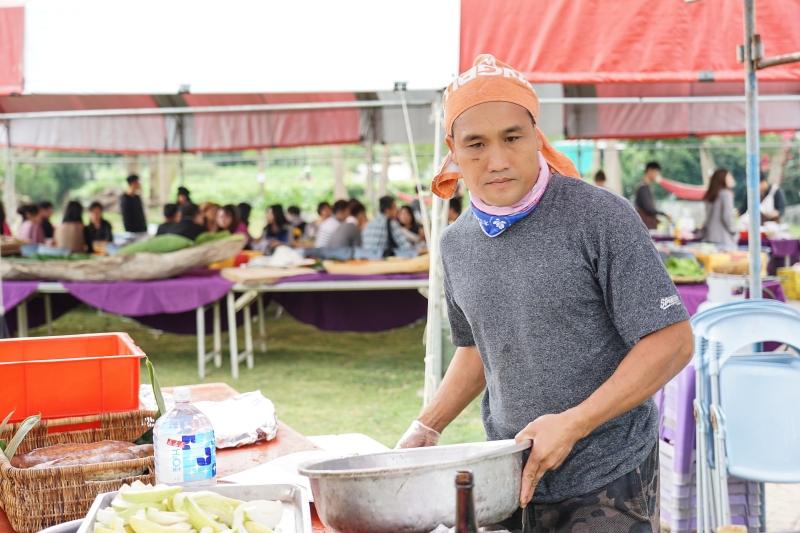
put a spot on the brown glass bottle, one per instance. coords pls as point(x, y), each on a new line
point(465, 503)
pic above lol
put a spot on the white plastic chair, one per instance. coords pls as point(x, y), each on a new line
point(708, 480)
point(725, 334)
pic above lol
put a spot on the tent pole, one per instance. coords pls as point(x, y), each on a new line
point(10, 193)
point(433, 332)
point(751, 134)
point(423, 207)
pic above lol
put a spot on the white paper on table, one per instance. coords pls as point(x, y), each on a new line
point(281, 470)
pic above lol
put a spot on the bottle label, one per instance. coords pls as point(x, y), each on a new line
point(185, 458)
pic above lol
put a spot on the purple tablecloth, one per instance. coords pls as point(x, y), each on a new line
point(695, 294)
point(170, 304)
point(362, 311)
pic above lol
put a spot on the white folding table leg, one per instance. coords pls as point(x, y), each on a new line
point(217, 335)
point(201, 342)
point(233, 343)
point(262, 329)
point(248, 337)
point(48, 313)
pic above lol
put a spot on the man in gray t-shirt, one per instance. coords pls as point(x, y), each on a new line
point(562, 312)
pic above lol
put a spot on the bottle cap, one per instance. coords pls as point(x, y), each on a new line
point(181, 394)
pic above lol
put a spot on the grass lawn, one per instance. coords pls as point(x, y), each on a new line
point(321, 383)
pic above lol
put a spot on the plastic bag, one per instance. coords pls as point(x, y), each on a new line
point(243, 419)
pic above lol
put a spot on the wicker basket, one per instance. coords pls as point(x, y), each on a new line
point(35, 499)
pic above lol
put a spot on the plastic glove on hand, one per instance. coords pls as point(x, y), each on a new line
point(418, 436)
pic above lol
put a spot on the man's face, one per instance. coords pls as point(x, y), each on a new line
point(46, 212)
point(96, 215)
point(343, 214)
point(763, 185)
point(325, 212)
point(496, 146)
point(135, 186)
point(651, 175)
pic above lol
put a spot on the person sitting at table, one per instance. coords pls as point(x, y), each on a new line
point(228, 220)
point(773, 201)
point(170, 217)
point(190, 225)
point(294, 216)
point(46, 208)
point(408, 224)
point(70, 233)
point(5, 230)
point(348, 235)
point(341, 210)
point(324, 210)
point(209, 211)
point(30, 230)
point(98, 230)
point(278, 228)
point(720, 226)
point(384, 232)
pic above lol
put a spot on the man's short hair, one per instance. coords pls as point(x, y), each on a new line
point(189, 211)
point(170, 210)
point(184, 191)
point(340, 205)
point(762, 177)
point(385, 203)
point(95, 205)
point(131, 179)
point(356, 208)
point(321, 206)
point(652, 165)
point(600, 176)
point(293, 210)
point(45, 204)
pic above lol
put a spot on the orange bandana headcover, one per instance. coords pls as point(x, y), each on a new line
point(490, 80)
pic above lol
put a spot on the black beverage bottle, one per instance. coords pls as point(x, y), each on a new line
point(465, 503)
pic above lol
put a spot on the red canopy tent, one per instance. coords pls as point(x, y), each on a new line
point(613, 49)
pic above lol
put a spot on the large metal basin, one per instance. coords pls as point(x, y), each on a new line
point(413, 491)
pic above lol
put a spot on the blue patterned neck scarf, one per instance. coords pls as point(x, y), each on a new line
point(494, 225)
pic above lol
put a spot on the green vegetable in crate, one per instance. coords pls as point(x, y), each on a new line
point(162, 244)
point(684, 267)
point(207, 237)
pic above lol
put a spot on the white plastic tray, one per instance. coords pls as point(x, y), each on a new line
point(296, 511)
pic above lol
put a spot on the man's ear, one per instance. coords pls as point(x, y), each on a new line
point(452, 145)
point(539, 142)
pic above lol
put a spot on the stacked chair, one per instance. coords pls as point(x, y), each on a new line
point(746, 409)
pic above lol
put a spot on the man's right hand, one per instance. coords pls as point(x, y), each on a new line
point(418, 436)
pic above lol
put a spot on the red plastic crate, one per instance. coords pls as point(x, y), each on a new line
point(71, 375)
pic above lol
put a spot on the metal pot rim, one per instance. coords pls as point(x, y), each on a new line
point(303, 468)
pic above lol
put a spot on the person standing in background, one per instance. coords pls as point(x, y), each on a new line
point(644, 202)
point(46, 209)
point(98, 230)
point(130, 205)
point(454, 211)
point(30, 230)
point(70, 233)
point(183, 197)
point(773, 201)
point(600, 179)
point(720, 226)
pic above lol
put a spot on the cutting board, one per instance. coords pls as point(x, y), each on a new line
point(262, 275)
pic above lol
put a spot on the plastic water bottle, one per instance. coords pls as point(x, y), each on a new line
point(184, 446)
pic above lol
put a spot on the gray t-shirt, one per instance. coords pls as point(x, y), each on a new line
point(554, 304)
point(348, 235)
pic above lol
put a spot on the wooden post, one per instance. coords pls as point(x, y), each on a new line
point(372, 207)
point(383, 178)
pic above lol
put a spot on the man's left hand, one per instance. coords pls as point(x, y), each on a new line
point(553, 437)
